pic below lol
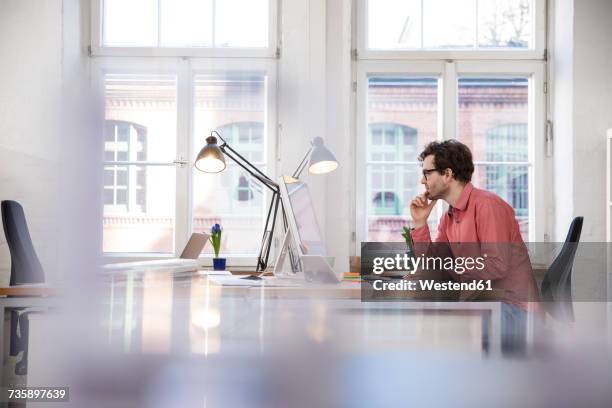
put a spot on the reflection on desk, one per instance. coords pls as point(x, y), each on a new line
point(165, 313)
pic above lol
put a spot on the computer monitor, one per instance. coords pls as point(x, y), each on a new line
point(305, 233)
point(301, 217)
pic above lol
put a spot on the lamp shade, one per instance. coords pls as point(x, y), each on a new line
point(211, 158)
point(321, 159)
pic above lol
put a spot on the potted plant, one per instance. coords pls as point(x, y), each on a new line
point(215, 240)
point(407, 234)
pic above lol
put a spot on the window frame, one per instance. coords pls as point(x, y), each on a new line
point(186, 69)
point(536, 53)
point(97, 48)
point(448, 73)
point(372, 68)
point(534, 70)
point(166, 66)
point(200, 66)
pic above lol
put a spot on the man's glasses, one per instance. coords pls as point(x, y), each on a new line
point(427, 172)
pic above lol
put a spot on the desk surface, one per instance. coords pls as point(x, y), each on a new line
point(168, 313)
point(165, 312)
point(28, 290)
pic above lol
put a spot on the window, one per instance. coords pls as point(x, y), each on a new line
point(473, 72)
point(124, 186)
point(508, 143)
point(413, 24)
point(493, 121)
point(244, 190)
point(148, 136)
point(247, 138)
point(183, 27)
point(402, 114)
point(159, 112)
point(139, 176)
point(234, 104)
point(391, 184)
point(393, 27)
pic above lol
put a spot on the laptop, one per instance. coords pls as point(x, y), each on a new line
point(188, 261)
point(194, 246)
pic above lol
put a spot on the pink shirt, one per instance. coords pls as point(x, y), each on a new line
point(482, 223)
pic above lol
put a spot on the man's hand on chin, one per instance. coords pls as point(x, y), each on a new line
point(420, 209)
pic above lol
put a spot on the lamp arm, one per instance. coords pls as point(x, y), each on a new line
point(252, 169)
point(266, 243)
point(264, 252)
point(302, 165)
point(263, 179)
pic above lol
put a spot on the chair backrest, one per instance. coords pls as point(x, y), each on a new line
point(25, 266)
point(556, 287)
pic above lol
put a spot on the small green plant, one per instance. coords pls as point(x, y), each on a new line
point(407, 234)
point(215, 239)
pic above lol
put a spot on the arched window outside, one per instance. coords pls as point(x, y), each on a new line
point(125, 186)
point(391, 183)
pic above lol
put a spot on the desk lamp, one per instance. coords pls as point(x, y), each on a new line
point(321, 159)
point(211, 160)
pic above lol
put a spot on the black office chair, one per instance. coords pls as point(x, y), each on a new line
point(25, 268)
point(556, 289)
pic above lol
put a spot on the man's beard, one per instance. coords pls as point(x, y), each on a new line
point(434, 196)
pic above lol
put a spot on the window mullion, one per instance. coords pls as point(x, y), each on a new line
point(422, 24)
point(476, 24)
point(159, 23)
point(449, 101)
point(183, 148)
point(212, 23)
point(448, 116)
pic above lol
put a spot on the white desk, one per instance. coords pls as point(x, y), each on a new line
point(165, 312)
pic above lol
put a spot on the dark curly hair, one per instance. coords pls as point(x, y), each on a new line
point(451, 154)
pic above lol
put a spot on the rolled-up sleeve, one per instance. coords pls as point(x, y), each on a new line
point(422, 239)
point(421, 234)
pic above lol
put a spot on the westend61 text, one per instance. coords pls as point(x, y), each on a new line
point(432, 285)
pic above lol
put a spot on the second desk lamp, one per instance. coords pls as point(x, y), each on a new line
point(211, 159)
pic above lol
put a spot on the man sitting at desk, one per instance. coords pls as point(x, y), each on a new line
point(476, 218)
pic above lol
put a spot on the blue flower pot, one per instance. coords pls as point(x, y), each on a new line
point(219, 264)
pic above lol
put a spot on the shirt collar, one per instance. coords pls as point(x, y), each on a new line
point(463, 199)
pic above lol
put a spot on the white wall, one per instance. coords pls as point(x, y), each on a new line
point(582, 111)
point(47, 135)
point(80, 211)
point(314, 95)
point(301, 100)
point(561, 53)
point(30, 125)
point(592, 111)
point(340, 205)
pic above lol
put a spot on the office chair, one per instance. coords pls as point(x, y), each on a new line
point(556, 289)
point(25, 268)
